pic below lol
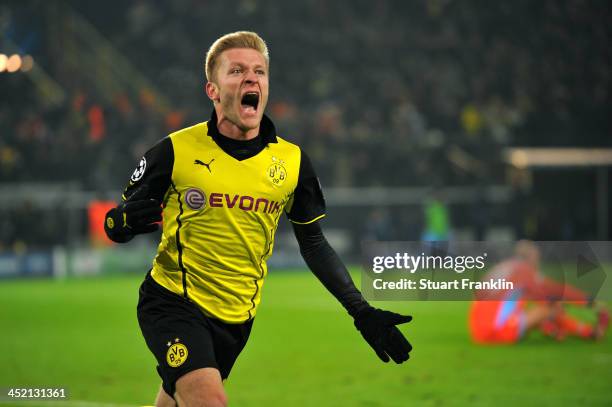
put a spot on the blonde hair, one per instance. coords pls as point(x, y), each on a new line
point(238, 39)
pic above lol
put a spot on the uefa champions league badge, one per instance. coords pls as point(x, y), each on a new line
point(139, 171)
point(276, 172)
point(177, 353)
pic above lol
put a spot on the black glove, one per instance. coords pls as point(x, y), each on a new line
point(133, 217)
point(379, 329)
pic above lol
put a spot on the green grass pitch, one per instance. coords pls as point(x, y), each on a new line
point(303, 351)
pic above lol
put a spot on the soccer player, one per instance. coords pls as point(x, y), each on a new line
point(536, 302)
point(223, 185)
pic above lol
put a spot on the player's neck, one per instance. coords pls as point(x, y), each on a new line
point(230, 130)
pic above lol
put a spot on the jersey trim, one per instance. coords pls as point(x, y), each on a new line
point(309, 222)
point(308, 203)
point(253, 299)
point(179, 248)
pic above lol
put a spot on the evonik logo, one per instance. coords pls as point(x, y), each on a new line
point(244, 202)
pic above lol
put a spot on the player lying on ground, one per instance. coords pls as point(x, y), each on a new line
point(505, 316)
point(223, 185)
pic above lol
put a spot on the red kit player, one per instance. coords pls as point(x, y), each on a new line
point(535, 303)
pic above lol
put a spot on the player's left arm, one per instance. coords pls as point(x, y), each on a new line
point(551, 289)
point(378, 327)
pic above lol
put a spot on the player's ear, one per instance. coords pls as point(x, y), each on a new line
point(212, 91)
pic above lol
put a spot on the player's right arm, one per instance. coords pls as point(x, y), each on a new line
point(139, 209)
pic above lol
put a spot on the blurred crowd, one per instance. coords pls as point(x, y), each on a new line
point(381, 93)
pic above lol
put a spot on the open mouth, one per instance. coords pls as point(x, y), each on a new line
point(249, 102)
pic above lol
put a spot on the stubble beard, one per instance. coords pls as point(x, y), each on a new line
point(232, 115)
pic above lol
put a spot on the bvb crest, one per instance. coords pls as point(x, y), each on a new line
point(276, 172)
point(177, 353)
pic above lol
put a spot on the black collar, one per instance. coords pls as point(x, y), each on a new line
point(243, 149)
point(267, 131)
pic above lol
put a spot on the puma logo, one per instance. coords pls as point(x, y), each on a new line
point(198, 162)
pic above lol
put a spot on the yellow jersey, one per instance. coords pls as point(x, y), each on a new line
point(221, 211)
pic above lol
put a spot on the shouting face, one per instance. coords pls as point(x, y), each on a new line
point(239, 91)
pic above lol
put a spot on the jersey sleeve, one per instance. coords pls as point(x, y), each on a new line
point(307, 204)
point(153, 173)
point(325, 263)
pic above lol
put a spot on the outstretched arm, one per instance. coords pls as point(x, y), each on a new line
point(327, 266)
point(554, 290)
point(378, 327)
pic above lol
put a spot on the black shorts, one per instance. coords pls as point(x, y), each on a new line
point(182, 338)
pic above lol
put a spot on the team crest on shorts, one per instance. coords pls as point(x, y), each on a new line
point(139, 171)
point(277, 174)
point(195, 198)
point(177, 353)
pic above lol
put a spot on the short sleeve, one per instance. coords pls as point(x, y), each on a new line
point(153, 172)
point(308, 204)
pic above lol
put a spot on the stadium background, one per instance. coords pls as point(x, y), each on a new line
point(474, 120)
